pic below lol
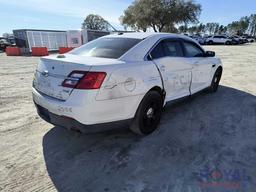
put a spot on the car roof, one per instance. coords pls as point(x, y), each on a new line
point(138, 52)
point(144, 35)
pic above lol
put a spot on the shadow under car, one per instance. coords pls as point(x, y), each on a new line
point(210, 131)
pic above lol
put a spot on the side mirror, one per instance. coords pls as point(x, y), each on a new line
point(209, 54)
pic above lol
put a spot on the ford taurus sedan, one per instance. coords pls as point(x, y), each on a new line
point(122, 78)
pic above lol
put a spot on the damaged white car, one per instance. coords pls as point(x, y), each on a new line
point(122, 78)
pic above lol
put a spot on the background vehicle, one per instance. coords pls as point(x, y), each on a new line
point(199, 39)
point(244, 39)
point(249, 39)
point(237, 39)
point(202, 41)
point(124, 77)
point(219, 39)
point(3, 44)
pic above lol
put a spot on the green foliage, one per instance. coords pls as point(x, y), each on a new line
point(222, 29)
point(239, 27)
point(161, 15)
point(212, 28)
point(95, 22)
point(252, 24)
point(183, 29)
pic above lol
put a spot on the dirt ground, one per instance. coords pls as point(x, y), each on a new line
point(206, 143)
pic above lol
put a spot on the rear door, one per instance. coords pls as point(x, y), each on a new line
point(201, 66)
point(168, 55)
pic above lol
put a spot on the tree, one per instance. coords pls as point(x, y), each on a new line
point(170, 29)
point(233, 27)
point(252, 24)
point(239, 27)
point(222, 29)
point(193, 29)
point(243, 25)
point(161, 15)
point(216, 28)
point(95, 22)
point(200, 28)
point(212, 28)
point(183, 29)
point(209, 28)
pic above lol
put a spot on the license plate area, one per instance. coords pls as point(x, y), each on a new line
point(51, 86)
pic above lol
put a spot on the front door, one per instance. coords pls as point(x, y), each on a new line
point(201, 66)
point(168, 56)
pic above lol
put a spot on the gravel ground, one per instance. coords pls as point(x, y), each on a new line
point(205, 143)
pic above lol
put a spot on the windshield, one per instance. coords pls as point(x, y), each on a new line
point(106, 47)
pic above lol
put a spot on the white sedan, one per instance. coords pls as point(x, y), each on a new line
point(122, 78)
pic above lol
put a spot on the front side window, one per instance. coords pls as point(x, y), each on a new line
point(112, 48)
point(193, 50)
point(173, 49)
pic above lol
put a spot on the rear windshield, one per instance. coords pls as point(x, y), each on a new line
point(106, 47)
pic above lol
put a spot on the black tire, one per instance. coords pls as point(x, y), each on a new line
point(148, 114)
point(228, 43)
point(215, 80)
point(210, 42)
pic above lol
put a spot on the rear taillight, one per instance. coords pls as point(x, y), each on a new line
point(84, 80)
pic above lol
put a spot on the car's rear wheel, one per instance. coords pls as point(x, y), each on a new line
point(216, 80)
point(148, 114)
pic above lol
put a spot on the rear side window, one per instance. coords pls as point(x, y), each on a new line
point(167, 48)
point(106, 47)
point(173, 49)
point(193, 50)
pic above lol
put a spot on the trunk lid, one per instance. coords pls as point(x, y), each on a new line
point(52, 71)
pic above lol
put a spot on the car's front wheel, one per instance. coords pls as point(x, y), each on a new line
point(210, 42)
point(216, 80)
point(148, 114)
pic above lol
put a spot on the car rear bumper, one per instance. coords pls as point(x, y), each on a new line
point(84, 108)
point(73, 124)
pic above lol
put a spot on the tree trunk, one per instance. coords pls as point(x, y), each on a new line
point(161, 28)
point(154, 27)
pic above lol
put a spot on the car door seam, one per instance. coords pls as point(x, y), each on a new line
point(161, 76)
point(191, 77)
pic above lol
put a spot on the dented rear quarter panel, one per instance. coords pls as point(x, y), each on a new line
point(128, 79)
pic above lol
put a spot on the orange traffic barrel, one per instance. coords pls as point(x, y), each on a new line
point(63, 50)
point(13, 51)
point(40, 51)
